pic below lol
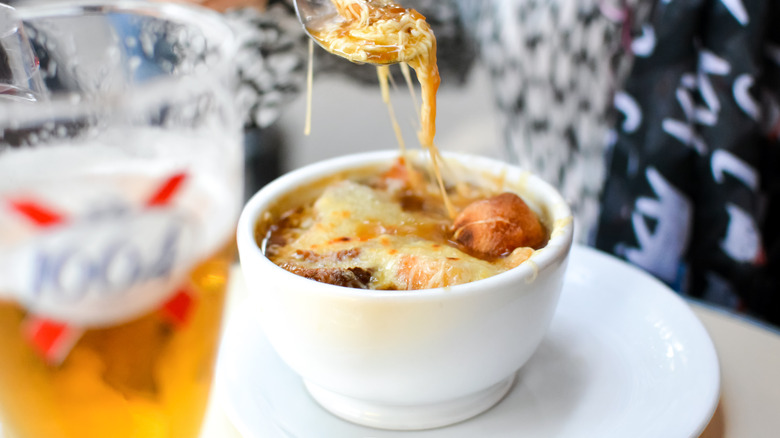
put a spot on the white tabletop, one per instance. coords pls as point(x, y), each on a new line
point(750, 376)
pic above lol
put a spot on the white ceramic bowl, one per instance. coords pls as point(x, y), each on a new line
point(408, 359)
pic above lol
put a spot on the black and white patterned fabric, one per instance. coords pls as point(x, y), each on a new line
point(271, 62)
point(693, 185)
point(555, 66)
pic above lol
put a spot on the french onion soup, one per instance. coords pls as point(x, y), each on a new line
point(388, 229)
point(403, 227)
point(381, 32)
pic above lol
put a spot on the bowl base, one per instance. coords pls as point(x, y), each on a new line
point(409, 417)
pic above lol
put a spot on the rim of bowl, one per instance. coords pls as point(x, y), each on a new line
point(266, 196)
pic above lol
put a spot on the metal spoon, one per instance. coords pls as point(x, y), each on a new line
point(318, 15)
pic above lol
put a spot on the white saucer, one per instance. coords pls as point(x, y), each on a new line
point(625, 357)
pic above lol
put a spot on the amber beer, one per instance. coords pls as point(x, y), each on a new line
point(120, 187)
point(148, 377)
point(112, 298)
point(110, 321)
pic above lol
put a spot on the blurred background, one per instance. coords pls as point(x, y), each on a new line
point(657, 120)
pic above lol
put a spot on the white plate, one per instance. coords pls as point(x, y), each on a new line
point(625, 357)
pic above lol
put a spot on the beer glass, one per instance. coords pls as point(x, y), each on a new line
point(120, 184)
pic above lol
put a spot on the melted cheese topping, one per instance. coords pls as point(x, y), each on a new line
point(383, 74)
point(376, 233)
point(394, 230)
point(376, 32)
point(382, 32)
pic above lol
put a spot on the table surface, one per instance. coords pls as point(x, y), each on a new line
point(749, 355)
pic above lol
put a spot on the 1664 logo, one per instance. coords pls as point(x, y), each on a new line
point(101, 269)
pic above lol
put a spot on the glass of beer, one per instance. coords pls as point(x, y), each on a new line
point(120, 184)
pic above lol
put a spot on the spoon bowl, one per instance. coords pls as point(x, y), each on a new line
point(316, 15)
point(319, 15)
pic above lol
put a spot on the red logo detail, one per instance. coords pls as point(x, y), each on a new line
point(52, 340)
point(167, 190)
point(41, 216)
point(179, 308)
